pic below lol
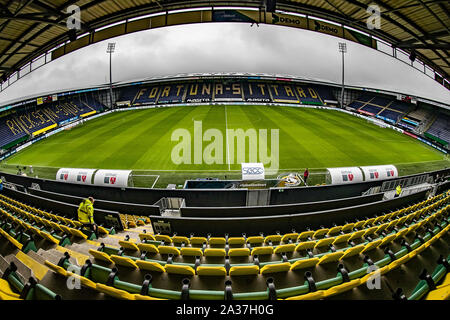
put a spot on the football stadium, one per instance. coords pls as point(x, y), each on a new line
point(224, 185)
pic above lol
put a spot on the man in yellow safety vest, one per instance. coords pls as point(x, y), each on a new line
point(86, 214)
point(398, 191)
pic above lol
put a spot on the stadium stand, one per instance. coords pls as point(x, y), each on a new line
point(308, 95)
point(171, 93)
point(136, 263)
point(390, 115)
point(256, 92)
point(199, 92)
point(33, 121)
point(228, 91)
point(283, 93)
point(440, 129)
point(143, 95)
point(370, 109)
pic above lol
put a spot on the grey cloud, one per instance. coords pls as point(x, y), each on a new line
point(222, 47)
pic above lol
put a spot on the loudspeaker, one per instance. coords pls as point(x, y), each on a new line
point(412, 56)
point(72, 35)
point(271, 5)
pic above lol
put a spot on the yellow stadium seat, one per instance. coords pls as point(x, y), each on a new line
point(244, 270)
point(236, 241)
point(209, 252)
point(77, 233)
point(217, 241)
point(401, 233)
point(262, 250)
point(123, 261)
point(191, 252)
point(346, 286)
point(289, 236)
point(272, 238)
point(113, 292)
point(334, 230)
point(397, 263)
point(324, 242)
point(179, 269)
point(11, 240)
point(382, 228)
point(146, 236)
point(276, 267)
point(342, 238)
point(6, 292)
point(150, 266)
point(102, 230)
point(285, 248)
point(148, 247)
point(255, 239)
point(128, 245)
point(330, 257)
point(309, 296)
point(56, 268)
point(353, 251)
point(65, 229)
point(168, 250)
point(320, 232)
point(357, 235)
point(48, 237)
point(239, 252)
point(388, 239)
point(163, 237)
point(211, 271)
point(359, 224)
point(100, 255)
point(198, 240)
point(372, 245)
point(305, 235)
point(370, 231)
point(305, 245)
point(348, 227)
point(304, 263)
point(180, 239)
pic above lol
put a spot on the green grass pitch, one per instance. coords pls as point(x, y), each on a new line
point(141, 140)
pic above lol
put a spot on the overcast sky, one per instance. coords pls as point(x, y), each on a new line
point(223, 47)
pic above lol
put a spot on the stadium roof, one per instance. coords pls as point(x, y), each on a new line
point(31, 30)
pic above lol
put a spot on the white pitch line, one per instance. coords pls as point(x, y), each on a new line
point(226, 138)
point(154, 182)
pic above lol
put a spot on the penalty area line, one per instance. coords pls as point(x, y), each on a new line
point(226, 139)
